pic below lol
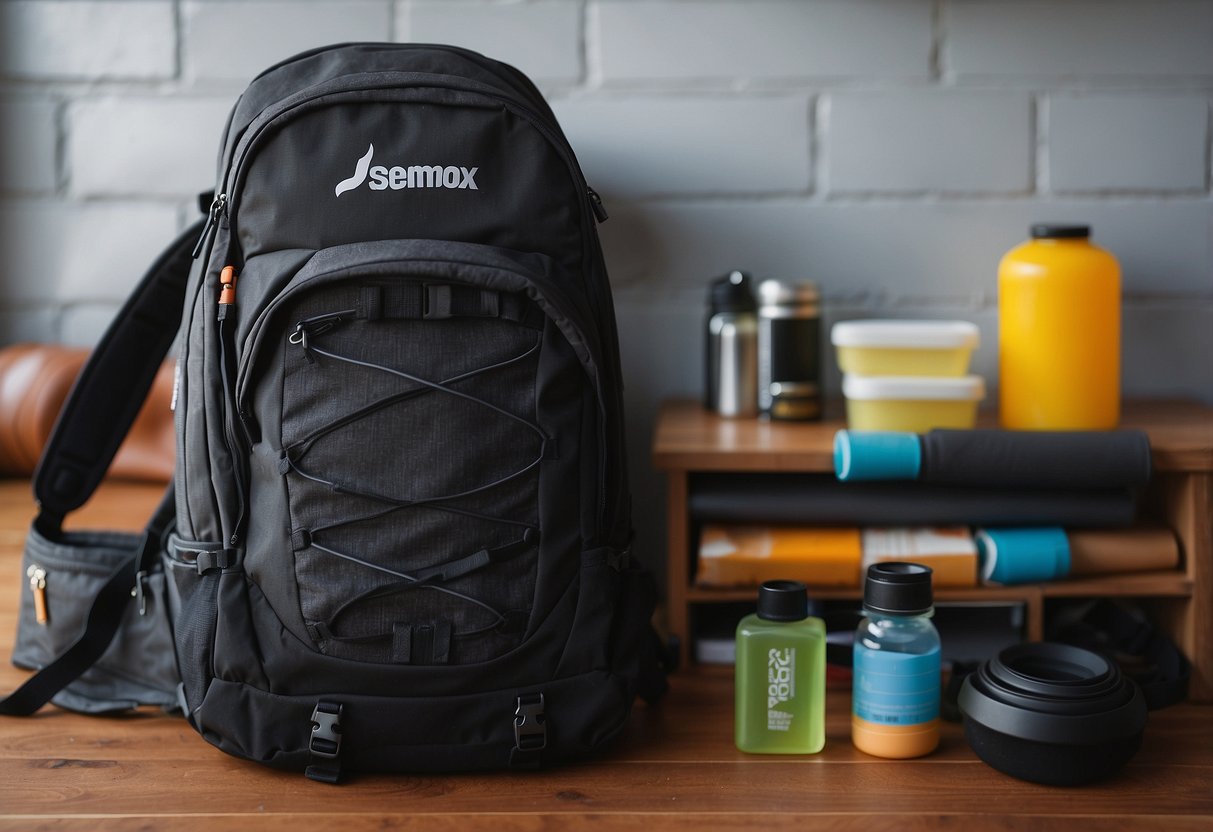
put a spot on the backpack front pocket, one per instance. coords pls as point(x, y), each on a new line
point(400, 398)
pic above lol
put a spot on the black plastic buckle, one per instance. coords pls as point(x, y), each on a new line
point(325, 744)
point(530, 726)
point(326, 730)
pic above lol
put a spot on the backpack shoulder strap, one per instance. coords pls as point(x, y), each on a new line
point(112, 387)
point(94, 420)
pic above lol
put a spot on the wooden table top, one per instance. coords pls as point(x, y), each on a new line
point(675, 766)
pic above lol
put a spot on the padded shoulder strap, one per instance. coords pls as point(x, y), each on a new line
point(111, 388)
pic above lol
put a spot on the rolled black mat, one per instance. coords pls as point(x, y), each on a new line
point(819, 499)
point(1036, 459)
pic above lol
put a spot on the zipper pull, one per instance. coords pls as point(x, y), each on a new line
point(227, 290)
point(37, 585)
point(218, 207)
point(600, 210)
point(141, 591)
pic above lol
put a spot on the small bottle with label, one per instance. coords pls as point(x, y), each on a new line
point(780, 674)
point(896, 685)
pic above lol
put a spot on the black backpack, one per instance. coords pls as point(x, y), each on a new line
point(400, 533)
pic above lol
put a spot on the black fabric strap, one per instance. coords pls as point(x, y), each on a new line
point(94, 421)
point(112, 387)
point(438, 301)
point(103, 620)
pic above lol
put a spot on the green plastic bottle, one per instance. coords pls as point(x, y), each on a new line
point(780, 674)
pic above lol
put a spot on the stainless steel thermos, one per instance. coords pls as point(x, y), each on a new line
point(731, 386)
point(789, 352)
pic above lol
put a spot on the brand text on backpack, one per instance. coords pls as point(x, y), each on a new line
point(399, 177)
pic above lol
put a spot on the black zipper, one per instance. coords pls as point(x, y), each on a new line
point(218, 208)
point(227, 357)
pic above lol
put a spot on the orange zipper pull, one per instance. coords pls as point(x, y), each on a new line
point(227, 282)
point(227, 290)
point(37, 585)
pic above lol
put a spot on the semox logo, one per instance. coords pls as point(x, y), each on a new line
point(414, 176)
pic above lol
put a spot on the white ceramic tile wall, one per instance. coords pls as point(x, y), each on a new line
point(889, 149)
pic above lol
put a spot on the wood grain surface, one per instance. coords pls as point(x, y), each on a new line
point(675, 767)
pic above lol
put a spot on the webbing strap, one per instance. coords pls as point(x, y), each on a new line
point(438, 301)
point(94, 421)
point(111, 387)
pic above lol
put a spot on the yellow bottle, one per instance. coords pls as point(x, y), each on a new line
point(1059, 333)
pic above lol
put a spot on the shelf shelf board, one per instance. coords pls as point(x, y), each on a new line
point(690, 438)
point(1170, 584)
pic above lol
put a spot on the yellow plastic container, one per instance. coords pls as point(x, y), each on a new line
point(1059, 333)
point(904, 348)
point(911, 403)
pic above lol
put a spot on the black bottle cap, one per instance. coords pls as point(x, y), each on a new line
point(733, 293)
point(1060, 231)
point(783, 601)
point(898, 588)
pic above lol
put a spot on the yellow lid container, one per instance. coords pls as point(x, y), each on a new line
point(904, 348)
point(911, 403)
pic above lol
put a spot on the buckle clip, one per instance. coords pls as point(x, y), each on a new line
point(326, 730)
point(530, 726)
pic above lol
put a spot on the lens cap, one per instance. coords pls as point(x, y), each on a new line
point(1052, 713)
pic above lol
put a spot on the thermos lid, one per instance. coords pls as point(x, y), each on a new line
point(732, 293)
point(898, 588)
point(1059, 231)
point(783, 601)
point(773, 292)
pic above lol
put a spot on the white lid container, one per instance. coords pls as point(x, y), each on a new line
point(904, 348)
point(912, 403)
point(913, 388)
point(918, 335)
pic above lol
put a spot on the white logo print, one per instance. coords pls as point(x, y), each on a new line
point(359, 173)
point(414, 176)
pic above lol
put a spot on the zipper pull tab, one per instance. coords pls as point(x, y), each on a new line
point(600, 210)
point(37, 585)
point(141, 591)
point(227, 290)
point(218, 207)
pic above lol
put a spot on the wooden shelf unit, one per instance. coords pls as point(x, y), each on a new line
point(688, 440)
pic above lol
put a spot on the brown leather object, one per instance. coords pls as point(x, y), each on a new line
point(34, 382)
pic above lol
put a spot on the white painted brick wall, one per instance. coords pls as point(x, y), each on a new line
point(955, 142)
point(1128, 142)
point(66, 252)
point(1116, 39)
point(763, 40)
point(87, 39)
point(233, 40)
point(27, 152)
point(143, 146)
point(543, 39)
point(887, 253)
point(661, 145)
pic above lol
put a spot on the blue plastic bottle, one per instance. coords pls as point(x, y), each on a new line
point(896, 687)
